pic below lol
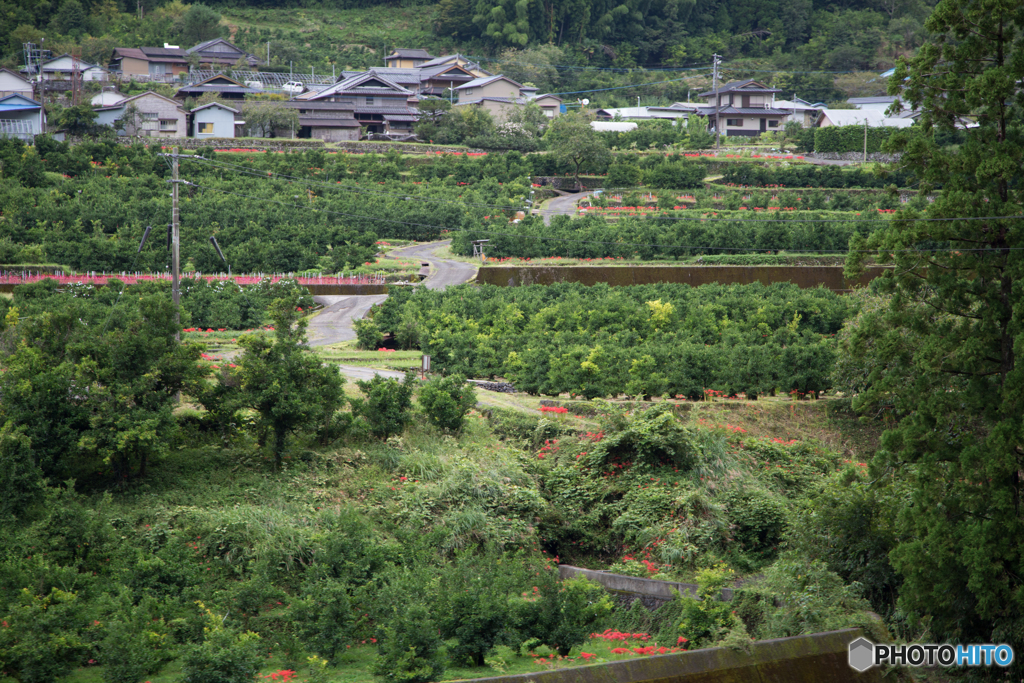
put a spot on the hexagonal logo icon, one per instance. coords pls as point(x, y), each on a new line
point(862, 654)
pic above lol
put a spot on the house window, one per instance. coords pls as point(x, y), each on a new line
point(146, 116)
point(168, 124)
point(369, 100)
point(550, 113)
point(157, 69)
point(734, 122)
point(204, 128)
point(773, 124)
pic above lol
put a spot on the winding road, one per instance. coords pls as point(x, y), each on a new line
point(334, 323)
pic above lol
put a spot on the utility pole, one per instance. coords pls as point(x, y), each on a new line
point(716, 60)
point(865, 139)
point(175, 244)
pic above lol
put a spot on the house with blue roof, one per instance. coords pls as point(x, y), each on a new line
point(21, 117)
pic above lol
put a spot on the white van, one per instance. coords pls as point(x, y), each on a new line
point(254, 85)
point(293, 87)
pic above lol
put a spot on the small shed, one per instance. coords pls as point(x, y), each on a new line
point(214, 120)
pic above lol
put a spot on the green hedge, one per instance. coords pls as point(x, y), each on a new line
point(849, 138)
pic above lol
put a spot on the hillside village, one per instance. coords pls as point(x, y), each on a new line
point(211, 81)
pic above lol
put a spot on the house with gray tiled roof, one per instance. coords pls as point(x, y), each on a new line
point(744, 107)
point(219, 53)
point(404, 57)
point(378, 104)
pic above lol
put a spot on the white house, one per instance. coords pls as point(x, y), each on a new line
point(158, 116)
point(857, 117)
point(12, 83)
point(106, 98)
point(61, 69)
point(799, 110)
point(21, 117)
point(214, 120)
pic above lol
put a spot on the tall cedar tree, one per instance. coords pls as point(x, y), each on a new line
point(957, 392)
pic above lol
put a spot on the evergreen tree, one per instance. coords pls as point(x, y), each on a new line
point(945, 352)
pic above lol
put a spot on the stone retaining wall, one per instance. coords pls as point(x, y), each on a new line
point(804, 276)
point(803, 659)
point(620, 583)
point(501, 387)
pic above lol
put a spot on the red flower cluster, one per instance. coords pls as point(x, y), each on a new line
point(611, 634)
point(553, 409)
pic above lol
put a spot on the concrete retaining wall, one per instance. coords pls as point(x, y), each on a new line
point(328, 289)
point(620, 583)
point(803, 659)
point(804, 276)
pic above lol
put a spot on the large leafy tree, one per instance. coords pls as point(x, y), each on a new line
point(90, 377)
point(944, 353)
point(573, 141)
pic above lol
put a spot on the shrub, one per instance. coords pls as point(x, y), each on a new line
point(134, 648)
point(368, 335)
point(41, 638)
point(577, 607)
point(223, 657)
point(623, 175)
point(410, 650)
point(849, 138)
point(323, 617)
point(446, 400)
point(387, 404)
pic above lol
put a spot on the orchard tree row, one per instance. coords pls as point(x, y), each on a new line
point(686, 233)
point(646, 340)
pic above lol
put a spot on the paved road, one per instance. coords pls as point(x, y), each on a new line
point(443, 272)
point(334, 323)
point(562, 205)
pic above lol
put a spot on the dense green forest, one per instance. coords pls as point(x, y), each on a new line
point(820, 50)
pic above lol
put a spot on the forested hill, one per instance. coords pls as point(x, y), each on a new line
point(818, 49)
